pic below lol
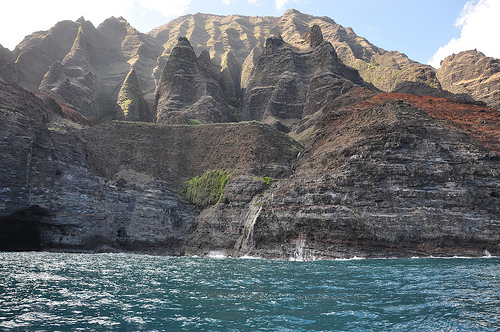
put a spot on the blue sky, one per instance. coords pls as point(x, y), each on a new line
point(422, 29)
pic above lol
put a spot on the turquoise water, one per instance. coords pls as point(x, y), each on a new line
point(72, 292)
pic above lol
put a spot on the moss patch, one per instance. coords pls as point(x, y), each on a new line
point(194, 122)
point(206, 190)
point(266, 179)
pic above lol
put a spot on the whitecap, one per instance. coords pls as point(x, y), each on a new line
point(250, 257)
point(217, 254)
point(354, 258)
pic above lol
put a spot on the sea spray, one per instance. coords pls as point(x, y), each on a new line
point(301, 253)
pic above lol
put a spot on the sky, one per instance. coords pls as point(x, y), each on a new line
point(425, 30)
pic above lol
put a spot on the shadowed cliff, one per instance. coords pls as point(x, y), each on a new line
point(189, 89)
point(287, 84)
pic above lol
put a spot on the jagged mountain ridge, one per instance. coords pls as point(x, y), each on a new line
point(241, 34)
point(289, 84)
point(109, 52)
point(232, 42)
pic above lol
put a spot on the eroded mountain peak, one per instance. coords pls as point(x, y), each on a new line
point(315, 37)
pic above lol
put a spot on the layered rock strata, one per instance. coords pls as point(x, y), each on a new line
point(51, 198)
point(379, 179)
point(111, 187)
point(189, 89)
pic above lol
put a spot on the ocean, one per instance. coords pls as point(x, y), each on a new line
point(42, 291)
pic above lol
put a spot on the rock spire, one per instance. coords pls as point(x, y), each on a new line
point(131, 105)
point(188, 90)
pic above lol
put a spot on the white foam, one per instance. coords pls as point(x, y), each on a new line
point(250, 257)
point(217, 254)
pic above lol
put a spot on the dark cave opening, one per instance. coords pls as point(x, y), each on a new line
point(20, 230)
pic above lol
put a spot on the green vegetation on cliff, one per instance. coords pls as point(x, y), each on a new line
point(266, 179)
point(206, 190)
point(194, 122)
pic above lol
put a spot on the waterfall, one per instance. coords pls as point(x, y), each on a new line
point(245, 242)
point(249, 239)
point(28, 168)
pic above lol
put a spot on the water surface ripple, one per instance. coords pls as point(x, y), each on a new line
point(78, 292)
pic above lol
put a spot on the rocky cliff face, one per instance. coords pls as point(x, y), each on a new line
point(178, 153)
point(189, 89)
point(372, 183)
point(366, 173)
point(111, 187)
point(473, 73)
point(5, 56)
point(378, 178)
point(52, 199)
point(287, 85)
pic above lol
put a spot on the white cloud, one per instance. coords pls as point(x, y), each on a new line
point(280, 4)
point(167, 7)
point(44, 14)
point(480, 23)
point(22, 17)
point(253, 2)
point(227, 2)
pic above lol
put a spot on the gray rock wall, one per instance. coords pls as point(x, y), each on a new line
point(51, 194)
